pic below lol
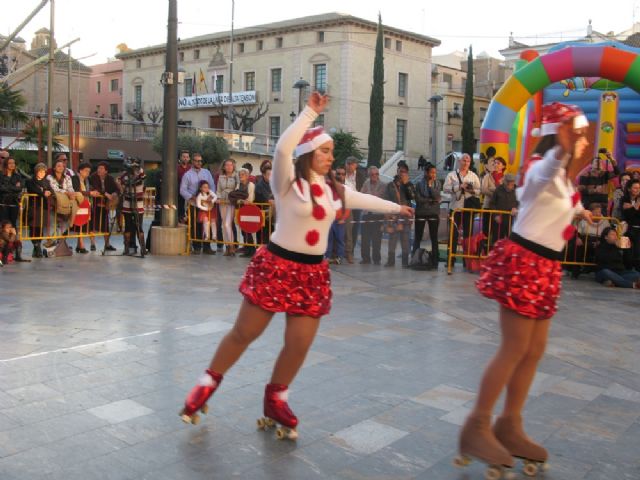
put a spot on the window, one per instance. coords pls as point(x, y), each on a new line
point(278, 42)
point(319, 121)
point(447, 78)
point(387, 42)
point(483, 113)
point(181, 56)
point(259, 45)
point(320, 77)
point(403, 80)
point(241, 47)
point(320, 37)
point(274, 126)
point(398, 45)
point(188, 87)
point(250, 81)
point(138, 63)
point(114, 85)
point(138, 97)
point(196, 54)
point(401, 133)
point(219, 83)
point(113, 110)
point(276, 80)
point(98, 87)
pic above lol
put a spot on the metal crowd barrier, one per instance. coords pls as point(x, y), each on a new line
point(40, 219)
point(483, 232)
point(149, 200)
point(245, 239)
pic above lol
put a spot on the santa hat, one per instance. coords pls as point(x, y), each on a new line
point(312, 139)
point(555, 114)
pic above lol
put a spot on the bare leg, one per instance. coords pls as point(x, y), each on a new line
point(522, 377)
point(298, 337)
point(250, 323)
point(517, 332)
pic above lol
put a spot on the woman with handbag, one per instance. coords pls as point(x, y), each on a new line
point(227, 183)
point(463, 186)
point(289, 275)
point(523, 274)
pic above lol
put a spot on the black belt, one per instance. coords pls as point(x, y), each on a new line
point(536, 248)
point(294, 256)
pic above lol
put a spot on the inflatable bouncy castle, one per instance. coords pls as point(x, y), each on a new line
point(603, 79)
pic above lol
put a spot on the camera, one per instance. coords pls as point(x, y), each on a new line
point(130, 164)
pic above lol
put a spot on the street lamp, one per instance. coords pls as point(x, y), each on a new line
point(434, 100)
point(301, 85)
point(292, 115)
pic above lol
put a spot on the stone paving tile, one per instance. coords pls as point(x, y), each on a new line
point(444, 397)
point(368, 437)
point(120, 411)
point(577, 390)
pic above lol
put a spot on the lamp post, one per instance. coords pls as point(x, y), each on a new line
point(292, 116)
point(434, 100)
point(300, 85)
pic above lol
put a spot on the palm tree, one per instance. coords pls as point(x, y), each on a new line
point(11, 105)
point(31, 135)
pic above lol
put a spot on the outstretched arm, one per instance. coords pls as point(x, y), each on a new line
point(364, 201)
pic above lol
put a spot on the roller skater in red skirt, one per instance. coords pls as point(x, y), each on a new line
point(289, 274)
point(523, 274)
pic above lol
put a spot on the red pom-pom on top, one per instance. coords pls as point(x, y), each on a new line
point(316, 190)
point(312, 237)
point(318, 212)
point(575, 198)
point(569, 232)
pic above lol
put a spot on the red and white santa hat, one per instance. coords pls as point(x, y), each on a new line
point(312, 139)
point(555, 114)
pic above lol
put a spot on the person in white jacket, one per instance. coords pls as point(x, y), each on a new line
point(205, 204)
point(290, 274)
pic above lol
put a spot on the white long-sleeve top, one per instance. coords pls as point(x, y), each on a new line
point(548, 202)
point(452, 187)
point(206, 201)
point(299, 226)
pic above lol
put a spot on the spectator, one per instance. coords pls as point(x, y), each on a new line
point(249, 188)
point(62, 157)
point(372, 222)
point(503, 198)
point(265, 195)
point(422, 163)
point(613, 263)
point(4, 154)
point(184, 164)
point(11, 185)
point(335, 244)
point(492, 178)
point(583, 247)
point(39, 207)
point(616, 210)
point(107, 200)
point(132, 185)
point(464, 187)
point(205, 203)
point(247, 166)
point(189, 191)
point(428, 211)
point(80, 184)
point(402, 192)
point(10, 246)
point(594, 184)
point(631, 215)
point(355, 177)
point(227, 182)
point(67, 199)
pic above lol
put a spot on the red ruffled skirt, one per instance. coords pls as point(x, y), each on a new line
point(278, 285)
point(521, 280)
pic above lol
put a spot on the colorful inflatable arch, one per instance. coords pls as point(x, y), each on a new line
point(605, 61)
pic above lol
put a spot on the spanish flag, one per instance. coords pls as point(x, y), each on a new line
point(203, 81)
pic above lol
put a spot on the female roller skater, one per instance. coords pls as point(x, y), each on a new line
point(523, 274)
point(290, 274)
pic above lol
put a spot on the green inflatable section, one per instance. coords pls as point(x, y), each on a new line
point(534, 77)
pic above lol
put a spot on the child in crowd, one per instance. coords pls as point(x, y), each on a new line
point(10, 246)
point(205, 201)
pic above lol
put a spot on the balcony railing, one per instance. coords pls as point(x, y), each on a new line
point(92, 127)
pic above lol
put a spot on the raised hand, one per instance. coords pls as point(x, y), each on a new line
point(318, 102)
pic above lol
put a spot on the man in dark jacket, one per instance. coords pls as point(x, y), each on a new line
point(264, 194)
point(402, 192)
point(612, 263)
point(109, 191)
point(504, 198)
point(428, 210)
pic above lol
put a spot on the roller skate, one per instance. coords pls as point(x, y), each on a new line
point(477, 441)
point(277, 411)
point(198, 397)
point(509, 432)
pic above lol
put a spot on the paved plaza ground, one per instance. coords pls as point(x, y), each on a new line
point(97, 354)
